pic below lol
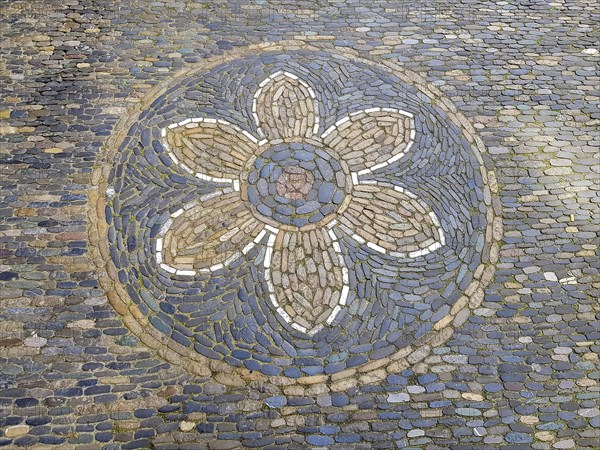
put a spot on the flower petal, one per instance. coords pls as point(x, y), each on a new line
point(307, 278)
point(211, 149)
point(208, 235)
point(371, 139)
point(390, 219)
point(285, 106)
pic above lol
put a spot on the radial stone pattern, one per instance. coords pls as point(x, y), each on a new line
point(296, 184)
point(297, 214)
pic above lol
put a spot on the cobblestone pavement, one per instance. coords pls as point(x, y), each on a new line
point(291, 225)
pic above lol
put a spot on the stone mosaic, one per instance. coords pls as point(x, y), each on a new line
point(513, 366)
point(315, 214)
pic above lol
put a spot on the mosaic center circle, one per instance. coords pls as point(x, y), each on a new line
point(294, 212)
point(295, 184)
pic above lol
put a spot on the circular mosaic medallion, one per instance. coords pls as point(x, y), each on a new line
point(293, 211)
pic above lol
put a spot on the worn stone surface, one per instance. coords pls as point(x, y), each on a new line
point(487, 341)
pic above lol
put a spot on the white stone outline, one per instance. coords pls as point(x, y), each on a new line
point(275, 231)
point(194, 123)
point(273, 77)
point(190, 273)
point(568, 280)
point(345, 280)
point(415, 254)
point(390, 160)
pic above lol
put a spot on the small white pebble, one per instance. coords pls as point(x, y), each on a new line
point(550, 276)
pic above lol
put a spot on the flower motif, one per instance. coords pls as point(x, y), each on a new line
point(296, 192)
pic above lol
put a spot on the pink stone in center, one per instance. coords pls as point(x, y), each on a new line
point(294, 183)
